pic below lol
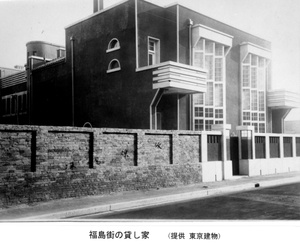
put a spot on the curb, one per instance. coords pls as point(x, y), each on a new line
point(152, 201)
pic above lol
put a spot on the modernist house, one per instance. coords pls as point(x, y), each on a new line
point(15, 84)
point(139, 65)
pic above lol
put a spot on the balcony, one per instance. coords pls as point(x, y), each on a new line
point(282, 99)
point(179, 78)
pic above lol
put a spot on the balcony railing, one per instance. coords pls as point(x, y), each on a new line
point(278, 99)
point(179, 78)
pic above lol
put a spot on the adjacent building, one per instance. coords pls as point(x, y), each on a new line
point(139, 65)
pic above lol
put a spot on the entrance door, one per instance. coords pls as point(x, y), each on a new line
point(234, 153)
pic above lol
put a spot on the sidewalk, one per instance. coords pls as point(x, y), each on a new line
point(71, 207)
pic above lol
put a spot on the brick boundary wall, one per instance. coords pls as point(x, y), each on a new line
point(42, 163)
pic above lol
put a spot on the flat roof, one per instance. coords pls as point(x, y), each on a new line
point(44, 42)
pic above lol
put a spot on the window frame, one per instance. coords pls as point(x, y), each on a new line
point(14, 104)
point(155, 53)
point(111, 49)
point(210, 55)
point(253, 83)
point(110, 69)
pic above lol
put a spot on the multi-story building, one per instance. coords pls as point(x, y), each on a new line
point(139, 65)
point(8, 71)
point(15, 87)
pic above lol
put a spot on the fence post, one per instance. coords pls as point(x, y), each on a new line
point(267, 146)
point(225, 129)
point(204, 157)
point(281, 146)
point(294, 148)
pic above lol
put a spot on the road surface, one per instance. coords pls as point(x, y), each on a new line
point(274, 203)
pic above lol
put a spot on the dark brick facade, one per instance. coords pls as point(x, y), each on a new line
point(122, 99)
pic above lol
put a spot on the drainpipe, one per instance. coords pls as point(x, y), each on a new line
point(29, 90)
point(72, 74)
point(190, 24)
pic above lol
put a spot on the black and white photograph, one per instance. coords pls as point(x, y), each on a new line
point(149, 120)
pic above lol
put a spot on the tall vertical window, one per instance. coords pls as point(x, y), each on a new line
point(246, 99)
point(219, 95)
point(153, 51)
point(254, 77)
point(209, 98)
point(209, 55)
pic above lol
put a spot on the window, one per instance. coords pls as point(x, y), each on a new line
point(198, 99)
point(218, 69)
point(209, 94)
point(246, 134)
point(219, 50)
point(210, 55)
point(253, 77)
point(246, 76)
point(261, 117)
point(3, 106)
point(261, 101)
point(209, 112)
point(255, 127)
point(246, 99)
point(253, 81)
point(113, 45)
point(219, 113)
point(113, 66)
point(254, 100)
point(253, 60)
point(209, 46)
point(262, 128)
point(246, 115)
point(153, 51)
point(199, 124)
point(219, 95)
point(8, 105)
point(14, 104)
point(208, 124)
point(198, 57)
point(199, 54)
point(198, 112)
point(254, 116)
point(209, 66)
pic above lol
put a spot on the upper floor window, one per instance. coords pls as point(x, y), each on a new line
point(113, 45)
point(153, 51)
point(113, 66)
point(254, 79)
point(210, 55)
point(14, 104)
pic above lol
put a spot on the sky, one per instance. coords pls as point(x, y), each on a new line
point(278, 21)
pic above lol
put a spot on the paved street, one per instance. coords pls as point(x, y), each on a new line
point(275, 203)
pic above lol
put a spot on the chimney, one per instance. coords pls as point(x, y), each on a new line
point(98, 5)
